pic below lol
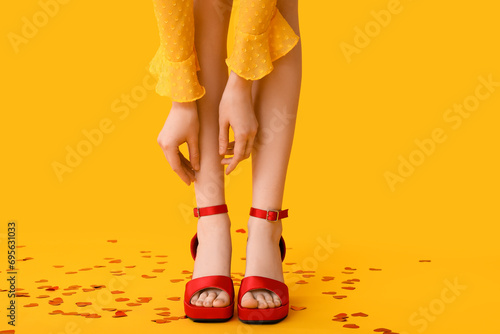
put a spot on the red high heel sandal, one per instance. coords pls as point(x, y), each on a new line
point(268, 315)
point(200, 313)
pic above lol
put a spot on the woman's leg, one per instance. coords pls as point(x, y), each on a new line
point(214, 249)
point(276, 98)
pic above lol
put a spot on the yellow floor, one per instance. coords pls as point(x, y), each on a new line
point(449, 294)
point(395, 161)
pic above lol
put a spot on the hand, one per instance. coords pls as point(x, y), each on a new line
point(236, 111)
point(181, 126)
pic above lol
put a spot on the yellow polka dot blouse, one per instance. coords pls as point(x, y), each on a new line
point(262, 35)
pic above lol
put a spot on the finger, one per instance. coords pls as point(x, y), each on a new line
point(223, 137)
point(230, 149)
point(174, 160)
point(226, 161)
point(194, 152)
point(187, 168)
point(239, 151)
point(249, 147)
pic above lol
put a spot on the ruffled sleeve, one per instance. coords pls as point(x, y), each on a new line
point(262, 36)
point(175, 63)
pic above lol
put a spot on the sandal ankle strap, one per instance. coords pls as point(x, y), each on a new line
point(269, 215)
point(210, 210)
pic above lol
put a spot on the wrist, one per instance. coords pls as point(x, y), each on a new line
point(239, 83)
point(184, 105)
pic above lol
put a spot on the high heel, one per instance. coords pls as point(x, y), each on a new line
point(268, 315)
point(225, 283)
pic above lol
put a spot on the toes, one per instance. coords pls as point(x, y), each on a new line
point(277, 300)
point(249, 301)
point(222, 300)
point(261, 300)
point(201, 298)
point(269, 299)
point(210, 298)
point(194, 298)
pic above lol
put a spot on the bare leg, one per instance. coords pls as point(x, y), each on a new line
point(214, 249)
point(276, 98)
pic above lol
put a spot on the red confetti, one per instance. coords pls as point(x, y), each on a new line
point(351, 326)
point(359, 314)
point(298, 308)
point(176, 280)
point(144, 299)
point(147, 276)
point(174, 298)
point(119, 314)
point(241, 230)
point(31, 305)
point(160, 321)
point(163, 314)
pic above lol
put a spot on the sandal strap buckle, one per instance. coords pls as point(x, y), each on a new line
point(276, 214)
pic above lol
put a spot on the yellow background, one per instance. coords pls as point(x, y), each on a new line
point(355, 119)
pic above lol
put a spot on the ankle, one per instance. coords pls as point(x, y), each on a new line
point(213, 225)
point(261, 230)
